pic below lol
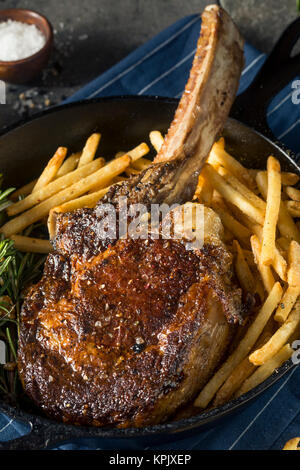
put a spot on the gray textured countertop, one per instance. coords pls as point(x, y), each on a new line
point(92, 35)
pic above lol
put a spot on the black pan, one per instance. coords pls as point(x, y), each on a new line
point(125, 121)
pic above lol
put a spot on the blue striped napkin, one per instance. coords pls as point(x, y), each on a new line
point(161, 67)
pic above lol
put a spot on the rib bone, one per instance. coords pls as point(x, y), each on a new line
point(200, 116)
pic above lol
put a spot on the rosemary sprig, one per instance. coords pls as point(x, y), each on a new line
point(17, 271)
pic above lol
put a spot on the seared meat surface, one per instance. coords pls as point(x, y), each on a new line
point(130, 335)
point(124, 332)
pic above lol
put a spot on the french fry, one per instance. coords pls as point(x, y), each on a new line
point(200, 183)
point(51, 222)
point(260, 288)
point(272, 211)
point(135, 154)
point(249, 257)
point(102, 176)
point(233, 196)
point(90, 149)
point(204, 190)
point(235, 380)
point(116, 179)
point(292, 444)
point(89, 200)
point(262, 183)
point(31, 245)
point(294, 264)
point(240, 373)
point(141, 164)
point(243, 271)
point(289, 179)
point(243, 189)
point(293, 291)
point(138, 152)
point(23, 191)
point(286, 225)
point(279, 263)
point(293, 193)
point(51, 168)
point(54, 187)
point(267, 369)
point(68, 165)
point(119, 154)
point(241, 232)
point(287, 303)
point(253, 172)
point(243, 348)
point(283, 243)
point(219, 155)
point(265, 271)
point(242, 217)
point(228, 237)
point(131, 171)
point(278, 340)
point(156, 140)
point(293, 208)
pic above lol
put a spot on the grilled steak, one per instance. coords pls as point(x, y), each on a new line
point(124, 332)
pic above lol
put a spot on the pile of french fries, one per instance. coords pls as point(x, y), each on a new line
point(68, 183)
point(258, 210)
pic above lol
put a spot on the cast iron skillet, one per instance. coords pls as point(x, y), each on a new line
point(125, 121)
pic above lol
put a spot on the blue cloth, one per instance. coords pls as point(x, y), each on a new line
point(161, 67)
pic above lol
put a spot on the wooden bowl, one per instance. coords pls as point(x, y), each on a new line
point(24, 70)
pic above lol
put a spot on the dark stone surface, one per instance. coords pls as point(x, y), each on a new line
point(262, 22)
point(92, 35)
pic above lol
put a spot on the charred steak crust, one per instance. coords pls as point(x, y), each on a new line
point(106, 343)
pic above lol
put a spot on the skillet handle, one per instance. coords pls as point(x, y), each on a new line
point(44, 434)
point(279, 69)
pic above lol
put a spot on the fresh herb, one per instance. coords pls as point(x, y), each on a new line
point(298, 5)
point(17, 271)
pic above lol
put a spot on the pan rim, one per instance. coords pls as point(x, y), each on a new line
point(185, 424)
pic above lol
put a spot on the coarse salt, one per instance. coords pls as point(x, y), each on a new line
point(19, 40)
